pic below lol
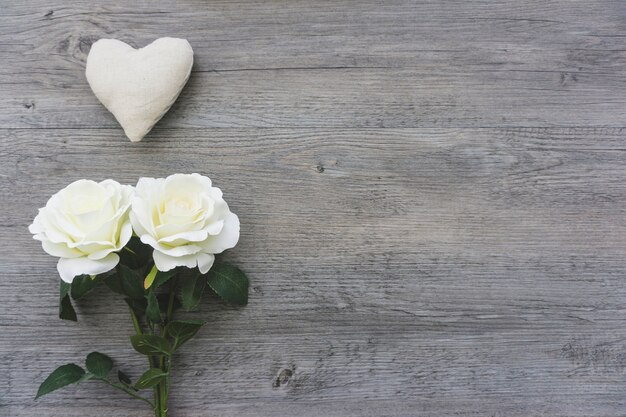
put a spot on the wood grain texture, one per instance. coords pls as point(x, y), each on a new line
point(333, 64)
point(432, 198)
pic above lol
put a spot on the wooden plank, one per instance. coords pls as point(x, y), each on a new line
point(342, 98)
point(432, 198)
point(556, 35)
point(394, 272)
point(334, 64)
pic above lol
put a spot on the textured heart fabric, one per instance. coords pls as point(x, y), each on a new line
point(138, 85)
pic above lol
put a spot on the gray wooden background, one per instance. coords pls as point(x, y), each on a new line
point(432, 197)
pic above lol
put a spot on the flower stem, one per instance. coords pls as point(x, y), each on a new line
point(127, 391)
point(126, 248)
point(151, 362)
point(170, 302)
point(163, 394)
point(165, 363)
point(136, 325)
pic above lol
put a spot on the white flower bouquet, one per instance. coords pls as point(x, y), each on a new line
point(155, 244)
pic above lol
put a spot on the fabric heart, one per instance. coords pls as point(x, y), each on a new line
point(138, 85)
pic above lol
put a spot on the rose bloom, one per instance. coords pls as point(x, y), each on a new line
point(84, 224)
point(185, 219)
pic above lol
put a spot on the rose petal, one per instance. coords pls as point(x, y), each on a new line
point(165, 262)
point(140, 216)
point(169, 250)
point(137, 226)
point(70, 268)
point(183, 238)
point(194, 183)
point(227, 239)
point(184, 219)
point(60, 250)
point(36, 227)
point(56, 228)
point(172, 231)
point(105, 233)
point(205, 262)
point(125, 234)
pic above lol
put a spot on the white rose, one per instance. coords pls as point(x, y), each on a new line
point(184, 219)
point(84, 224)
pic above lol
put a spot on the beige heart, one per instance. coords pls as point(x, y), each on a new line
point(138, 85)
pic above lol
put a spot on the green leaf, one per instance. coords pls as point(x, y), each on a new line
point(126, 282)
point(150, 378)
point(99, 364)
point(138, 305)
point(86, 377)
point(152, 309)
point(123, 378)
point(147, 282)
point(61, 377)
point(151, 345)
point(229, 282)
point(181, 331)
point(66, 310)
point(164, 301)
point(162, 277)
point(135, 254)
point(192, 290)
point(81, 285)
